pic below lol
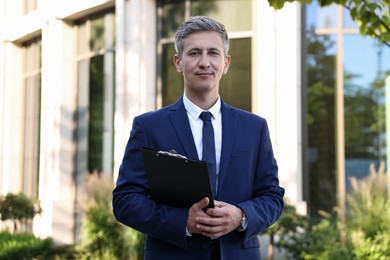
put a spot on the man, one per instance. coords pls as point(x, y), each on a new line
point(248, 198)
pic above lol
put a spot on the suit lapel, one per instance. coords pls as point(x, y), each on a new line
point(229, 129)
point(179, 118)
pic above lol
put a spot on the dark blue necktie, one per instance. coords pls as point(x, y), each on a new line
point(209, 148)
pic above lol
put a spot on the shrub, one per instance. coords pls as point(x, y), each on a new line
point(317, 240)
point(369, 204)
point(25, 246)
point(365, 235)
point(103, 237)
point(289, 223)
point(377, 248)
point(369, 215)
point(18, 208)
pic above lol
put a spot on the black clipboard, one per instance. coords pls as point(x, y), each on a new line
point(176, 181)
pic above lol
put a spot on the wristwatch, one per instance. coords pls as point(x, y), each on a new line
point(243, 223)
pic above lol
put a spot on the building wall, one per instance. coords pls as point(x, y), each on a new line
point(276, 88)
point(279, 88)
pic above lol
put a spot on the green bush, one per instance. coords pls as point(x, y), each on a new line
point(284, 229)
point(317, 240)
point(377, 248)
point(365, 235)
point(103, 237)
point(18, 208)
point(369, 215)
point(26, 246)
point(322, 242)
point(369, 204)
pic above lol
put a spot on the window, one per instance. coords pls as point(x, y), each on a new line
point(32, 106)
point(236, 86)
point(365, 101)
point(344, 138)
point(95, 69)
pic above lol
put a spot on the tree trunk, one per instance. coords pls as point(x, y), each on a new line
point(271, 248)
point(15, 227)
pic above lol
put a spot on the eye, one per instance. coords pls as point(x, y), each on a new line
point(214, 53)
point(193, 53)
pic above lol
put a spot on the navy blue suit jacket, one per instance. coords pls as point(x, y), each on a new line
point(248, 178)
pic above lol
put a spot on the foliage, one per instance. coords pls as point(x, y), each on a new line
point(373, 17)
point(369, 215)
point(366, 232)
point(288, 224)
point(369, 204)
point(316, 240)
point(102, 236)
point(322, 241)
point(377, 248)
point(26, 246)
point(18, 208)
point(289, 221)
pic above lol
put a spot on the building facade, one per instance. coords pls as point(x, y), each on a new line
point(73, 74)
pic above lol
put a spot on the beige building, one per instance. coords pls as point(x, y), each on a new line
point(73, 74)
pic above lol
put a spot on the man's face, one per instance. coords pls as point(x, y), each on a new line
point(203, 62)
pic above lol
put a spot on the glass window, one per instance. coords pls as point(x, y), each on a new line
point(365, 100)
point(172, 17)
point(172, 82)
point(95, 113)
point(226, 12)
point(96, 116)
point(32, 106)
point(348, 23)
point(361, 77)
point(97, 41)
point(321, 82)
point(236, 86)
point(327, 17)
point(321, 18)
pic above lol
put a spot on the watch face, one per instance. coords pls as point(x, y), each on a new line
point(243, 223)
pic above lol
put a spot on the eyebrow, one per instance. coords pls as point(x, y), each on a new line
point(209, 49)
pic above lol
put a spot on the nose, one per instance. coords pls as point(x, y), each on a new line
point(204, 61)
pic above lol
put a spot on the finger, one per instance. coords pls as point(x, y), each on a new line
point(202, 203)
point(219, 204)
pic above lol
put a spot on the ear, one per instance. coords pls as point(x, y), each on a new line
point(176, 61)
point(227, 64)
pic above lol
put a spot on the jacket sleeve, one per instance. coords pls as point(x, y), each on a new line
point(131, 203)
point(267, 203)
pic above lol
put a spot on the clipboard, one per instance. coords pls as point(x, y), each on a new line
point(176, 181)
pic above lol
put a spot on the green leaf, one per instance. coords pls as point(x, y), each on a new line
point(353, 13)
point(384, 37)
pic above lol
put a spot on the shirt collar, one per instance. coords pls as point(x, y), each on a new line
point(195, 111)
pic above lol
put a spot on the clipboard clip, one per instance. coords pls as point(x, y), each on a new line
point(172, 153)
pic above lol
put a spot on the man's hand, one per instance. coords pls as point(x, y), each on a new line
point(196, 212)
point(214, 222)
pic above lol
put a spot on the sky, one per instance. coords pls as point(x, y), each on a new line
point(360, 52)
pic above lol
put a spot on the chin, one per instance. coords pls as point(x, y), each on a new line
point(205, 89)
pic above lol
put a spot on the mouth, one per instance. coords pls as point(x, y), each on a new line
point(204, 73)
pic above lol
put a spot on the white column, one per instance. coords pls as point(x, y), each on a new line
point(56, 183)
point(135, 67)
point(279, 86)
point(12, 118)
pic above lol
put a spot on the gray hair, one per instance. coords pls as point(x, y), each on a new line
point(199, 24)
